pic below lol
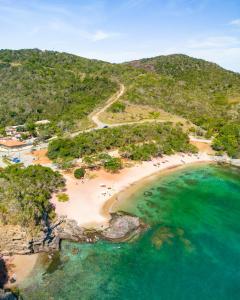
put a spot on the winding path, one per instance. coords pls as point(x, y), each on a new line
point(95, 115)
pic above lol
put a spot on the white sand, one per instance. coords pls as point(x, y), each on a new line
point(87, 198)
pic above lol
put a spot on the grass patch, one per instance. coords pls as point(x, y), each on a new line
point(135, 113)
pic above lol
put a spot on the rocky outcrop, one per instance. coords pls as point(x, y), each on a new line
point(7, 295)
point(122, 228)
point(15, 240)
point(69, 230)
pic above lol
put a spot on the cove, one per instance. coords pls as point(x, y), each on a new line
point(191, 251)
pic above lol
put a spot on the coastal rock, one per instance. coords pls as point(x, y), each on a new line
point(15, 240)
point(69, 230)
point(5, 295)
point(123, 227)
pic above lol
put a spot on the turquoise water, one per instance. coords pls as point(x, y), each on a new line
point(191, 251)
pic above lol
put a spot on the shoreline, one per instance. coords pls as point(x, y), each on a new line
point(21, 266)
point(109, 207)
point(125, 185)
point(90, 199)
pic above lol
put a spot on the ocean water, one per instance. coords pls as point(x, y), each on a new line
point(191, 251)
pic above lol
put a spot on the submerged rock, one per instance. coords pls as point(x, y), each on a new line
point(147, 194)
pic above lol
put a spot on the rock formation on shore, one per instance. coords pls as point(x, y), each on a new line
point(7, 295)
point(122, 228)
point(16, 240)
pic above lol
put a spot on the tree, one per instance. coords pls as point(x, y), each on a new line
point(114, 164)
point(117, 107)
point(25, 194)
point(79, 173)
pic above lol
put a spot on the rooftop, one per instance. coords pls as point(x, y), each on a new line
point(11, 143)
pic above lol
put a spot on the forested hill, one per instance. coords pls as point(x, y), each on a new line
point(38, 85)
point(184, 67)
point(198, 90)
point(65, 89)
point(207, 81)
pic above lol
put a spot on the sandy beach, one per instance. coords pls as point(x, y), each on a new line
point(88, 197)
point(19, 268)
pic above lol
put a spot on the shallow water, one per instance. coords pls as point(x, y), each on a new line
point(192, 250)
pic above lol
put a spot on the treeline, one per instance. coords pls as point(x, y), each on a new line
point(148, 139)
point(25, 194)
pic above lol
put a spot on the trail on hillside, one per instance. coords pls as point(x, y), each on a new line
point(95, 115)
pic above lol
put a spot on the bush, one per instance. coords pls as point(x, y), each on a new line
point(63, 197)
point(79, 173)
point(65, 164)
point(117, 107)
point(113, 164)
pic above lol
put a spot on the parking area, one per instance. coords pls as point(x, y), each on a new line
point(23, 156)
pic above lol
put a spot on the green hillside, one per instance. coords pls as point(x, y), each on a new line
point(199, 90)
point(65, 89)
point(38, 85)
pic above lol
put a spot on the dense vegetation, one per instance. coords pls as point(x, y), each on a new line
point(103, 160)
point(228, 140)
point(163, 138)
point(25, 194)
point(198, 90)
point(65, 88)
point(38, 85)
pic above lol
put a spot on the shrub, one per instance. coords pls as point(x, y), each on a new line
point(117, 107)
point(113, 164)
point(79, 173)
point(63, 197)
point(66, 163)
